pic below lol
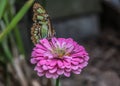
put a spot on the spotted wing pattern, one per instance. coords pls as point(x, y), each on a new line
point(41, 27)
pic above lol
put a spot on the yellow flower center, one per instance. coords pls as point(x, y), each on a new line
point(59, 52)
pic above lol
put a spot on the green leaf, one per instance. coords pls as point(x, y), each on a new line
point(16, 19)
point(3, 4)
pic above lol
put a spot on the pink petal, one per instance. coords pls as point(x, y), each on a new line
point(42, 62)
point(83, 65)
point(75, 67)
point(40, 74)
point(68, 59)
point(68, 70)
point(53, 70)
point(63, 44)
point(45, 67)
point(55, 76)
point(45, 42)
point(62, 41)
point(37, 55)
point(38, 64)
point(40, 47)
point(75, 59)
point(69, 40)
point(33, 61)
point(33, 54)
point(66, 64)
point(48, 75)
point(53, 63)
point(67, 74)
point(60, 64)
point(60, 71)
point(58, 44)
point(81, 60)
point(75, 63)
point(40, 51)
point(39, 58)
point(78, 48)
point(62, 67)
point(86, 58)
point(79, 54)
point(76, 55)
point(54, 41)
point(48, 54)
point(50, 67)
point(69, 50)
point(77, 71)
point(38, 69)
point(48, 62)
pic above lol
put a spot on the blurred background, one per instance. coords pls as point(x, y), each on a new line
point(92, 23)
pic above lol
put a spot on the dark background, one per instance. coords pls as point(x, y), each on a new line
point(92, 23)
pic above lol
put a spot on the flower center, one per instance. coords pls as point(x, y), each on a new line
point(58, 52)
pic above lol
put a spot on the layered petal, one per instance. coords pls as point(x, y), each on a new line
point(58, 56)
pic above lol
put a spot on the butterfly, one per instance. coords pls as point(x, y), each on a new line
point(42, 27)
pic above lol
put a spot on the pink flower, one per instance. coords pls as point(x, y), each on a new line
point(59, 56)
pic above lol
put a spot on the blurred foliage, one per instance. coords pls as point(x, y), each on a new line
point(8, 22)
point(9, 31)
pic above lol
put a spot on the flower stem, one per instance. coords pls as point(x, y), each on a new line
point(57, 81)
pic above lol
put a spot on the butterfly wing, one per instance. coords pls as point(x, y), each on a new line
point(42, 27)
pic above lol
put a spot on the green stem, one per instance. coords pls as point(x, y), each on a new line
point(57, 81)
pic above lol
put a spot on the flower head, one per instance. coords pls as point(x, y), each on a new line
point(58, 56)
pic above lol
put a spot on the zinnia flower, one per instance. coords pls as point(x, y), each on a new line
point(58, 56)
